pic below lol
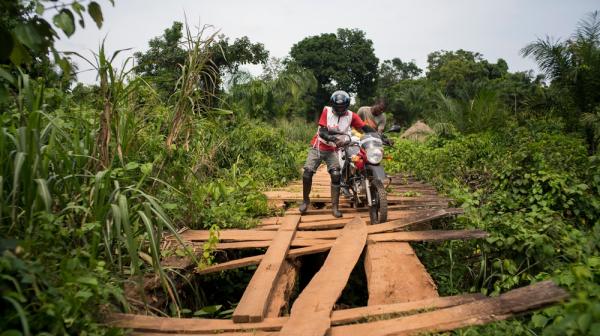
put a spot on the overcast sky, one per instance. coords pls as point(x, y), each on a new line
point(408, 29)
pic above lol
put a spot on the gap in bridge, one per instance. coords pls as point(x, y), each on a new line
point(221, 288)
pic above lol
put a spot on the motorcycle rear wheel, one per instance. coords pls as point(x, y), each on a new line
point(378, 210)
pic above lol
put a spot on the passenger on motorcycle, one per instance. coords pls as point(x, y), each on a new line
point(373, 115)
point(335, 120)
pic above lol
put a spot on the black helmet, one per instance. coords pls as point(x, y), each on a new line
point(340, 100)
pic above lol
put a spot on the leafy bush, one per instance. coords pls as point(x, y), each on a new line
point(537, 195)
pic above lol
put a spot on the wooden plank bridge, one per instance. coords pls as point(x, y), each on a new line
point(403, 298)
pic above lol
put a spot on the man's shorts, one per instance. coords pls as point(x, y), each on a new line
point(315, 157)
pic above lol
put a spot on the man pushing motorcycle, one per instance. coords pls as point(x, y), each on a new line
point(333, 132)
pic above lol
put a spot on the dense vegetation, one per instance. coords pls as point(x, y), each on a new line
point(92, 177)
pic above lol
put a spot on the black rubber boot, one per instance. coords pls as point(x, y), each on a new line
point(335, 201)
point(306, 186)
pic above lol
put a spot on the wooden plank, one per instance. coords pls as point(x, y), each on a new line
point(306, 219)
point(344, 316)
point(338, 317)
point(392, 216)
point(468, 314)
point(424, 205)
point(255, 260)
point(255, 300)
point(432, 235)
point(283, 289)
point(310, 314)
point(256, 235)
point(296, 197)
point(297, 242)
point(190, 325)
point(395, 274)
point(242, 333)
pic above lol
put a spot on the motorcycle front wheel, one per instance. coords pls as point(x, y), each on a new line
point(379, 207)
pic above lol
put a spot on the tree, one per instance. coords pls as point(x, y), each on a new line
point(461, 73)
point(409, 99)
point(573, 66)
point(344, 61)
point(27, 40)
point(394, 70)
point(162, 61)
point(279, 94)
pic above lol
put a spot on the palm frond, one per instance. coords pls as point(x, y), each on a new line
point(552, 56)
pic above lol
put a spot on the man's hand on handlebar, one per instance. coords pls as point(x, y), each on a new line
point(342, 140)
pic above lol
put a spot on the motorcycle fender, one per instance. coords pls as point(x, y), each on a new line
point(378, 172)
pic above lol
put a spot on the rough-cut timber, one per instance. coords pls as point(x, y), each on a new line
point(474, 313)
point(255, 301)
point(310, 315)
point(395, 274)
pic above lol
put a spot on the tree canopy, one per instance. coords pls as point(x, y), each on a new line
point(162, 61)
point(345, 61)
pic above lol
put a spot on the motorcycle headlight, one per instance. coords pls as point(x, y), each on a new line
point(374, 155)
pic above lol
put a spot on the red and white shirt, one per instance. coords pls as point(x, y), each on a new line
point(337, 124)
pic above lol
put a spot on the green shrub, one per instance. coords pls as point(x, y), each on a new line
point(536, 194)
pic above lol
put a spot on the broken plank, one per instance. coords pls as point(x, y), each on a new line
point(310, 314)
point(255, 300)
point(431, 235)
point(468, 314)
point(395, 274)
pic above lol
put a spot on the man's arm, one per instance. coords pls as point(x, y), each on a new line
point(325, 135)
point(368, 129)
point(381, 124)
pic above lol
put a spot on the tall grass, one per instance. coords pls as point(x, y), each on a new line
point(196, 86)
point(61, 200)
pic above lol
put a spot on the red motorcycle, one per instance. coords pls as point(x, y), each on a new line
point(363, 176)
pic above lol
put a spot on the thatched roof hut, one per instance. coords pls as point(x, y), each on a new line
point(419, 131)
